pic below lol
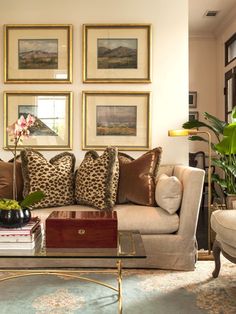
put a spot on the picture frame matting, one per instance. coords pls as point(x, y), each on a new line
point(112, 118)
point(117, 53)
point(37, 53)
point(52, 129)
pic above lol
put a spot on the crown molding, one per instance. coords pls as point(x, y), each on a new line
point(202, 35)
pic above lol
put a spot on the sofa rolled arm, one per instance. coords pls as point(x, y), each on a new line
point(192, 180)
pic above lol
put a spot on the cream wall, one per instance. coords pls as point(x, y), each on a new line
point(207, 70)
point(203, 79)
point(223, 35)
point(170, 60)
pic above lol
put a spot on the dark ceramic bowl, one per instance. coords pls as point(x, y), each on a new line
point(14, 218)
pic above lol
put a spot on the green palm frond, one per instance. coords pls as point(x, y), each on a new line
point(228, 144)
point(222, 182)
point(194, 124)
point(233, 115)
point(225, 148)
point(197, 138)
point(216, 124)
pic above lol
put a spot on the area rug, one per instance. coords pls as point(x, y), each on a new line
point(144, 291)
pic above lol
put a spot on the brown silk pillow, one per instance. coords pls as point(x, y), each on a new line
point(137, 178)
point(6, 180)
point(97, 179)
point(55, 177)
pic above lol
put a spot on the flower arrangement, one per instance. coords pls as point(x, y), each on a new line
point(13, 213)
point(18, 131)
point(6, 204)
point(30, 199)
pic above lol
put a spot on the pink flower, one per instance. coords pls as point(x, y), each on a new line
point(21, 122)
point(20, 128)
point(30, 120)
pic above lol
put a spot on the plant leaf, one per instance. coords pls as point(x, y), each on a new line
point(193, 124)
point(217, 125)
point(201, 139)
point(232, 170)
point(228, 145)
point(197, 138)
point(233, 115)
point(229, 168)
point(219, 163)
point(215, 178)
point(32, 198)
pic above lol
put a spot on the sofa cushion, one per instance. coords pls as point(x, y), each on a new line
point(146, 219)
point(169, 193)
point(6, 180)
point(55, 177)
point(223, 222)
point(97, 179)
point(137, 178)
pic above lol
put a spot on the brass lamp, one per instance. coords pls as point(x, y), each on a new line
point(189, 132)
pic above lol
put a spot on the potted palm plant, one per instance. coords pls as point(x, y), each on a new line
point(13, 213)
point(225, 149)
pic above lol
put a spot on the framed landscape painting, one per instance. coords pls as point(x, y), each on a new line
point(193, 115)
point(38, 54)
point(192, 100)
point(117, 53)
point(119, 119)
point(52, 129)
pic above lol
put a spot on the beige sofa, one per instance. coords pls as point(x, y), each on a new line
point(169, 240)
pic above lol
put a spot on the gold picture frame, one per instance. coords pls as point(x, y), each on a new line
point(53, 112)
point(116, 118)
point(117, 53)
point(37, 53)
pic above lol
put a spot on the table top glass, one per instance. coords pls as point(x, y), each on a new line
point(130, 245)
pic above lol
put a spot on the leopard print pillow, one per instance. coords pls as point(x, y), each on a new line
point(54, 177)
point(97, 179)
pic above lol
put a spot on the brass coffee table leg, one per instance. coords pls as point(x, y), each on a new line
point(119, 279)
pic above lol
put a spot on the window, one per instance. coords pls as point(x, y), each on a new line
point(230, 49)
point(230, 93)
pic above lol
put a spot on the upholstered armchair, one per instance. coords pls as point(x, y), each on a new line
point(223, 222)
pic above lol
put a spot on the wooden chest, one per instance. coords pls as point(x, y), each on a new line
point(78, 229)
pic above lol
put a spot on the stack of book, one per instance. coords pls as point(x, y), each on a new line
point(22, 238)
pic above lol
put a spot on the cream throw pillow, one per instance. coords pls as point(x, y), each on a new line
point(169, 193)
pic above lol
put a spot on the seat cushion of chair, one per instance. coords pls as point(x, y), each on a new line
point(223, 222)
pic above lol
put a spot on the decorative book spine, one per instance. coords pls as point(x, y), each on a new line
point(21, 238)
point(28, 229)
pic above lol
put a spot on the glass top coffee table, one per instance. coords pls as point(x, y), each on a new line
point(130, 246)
